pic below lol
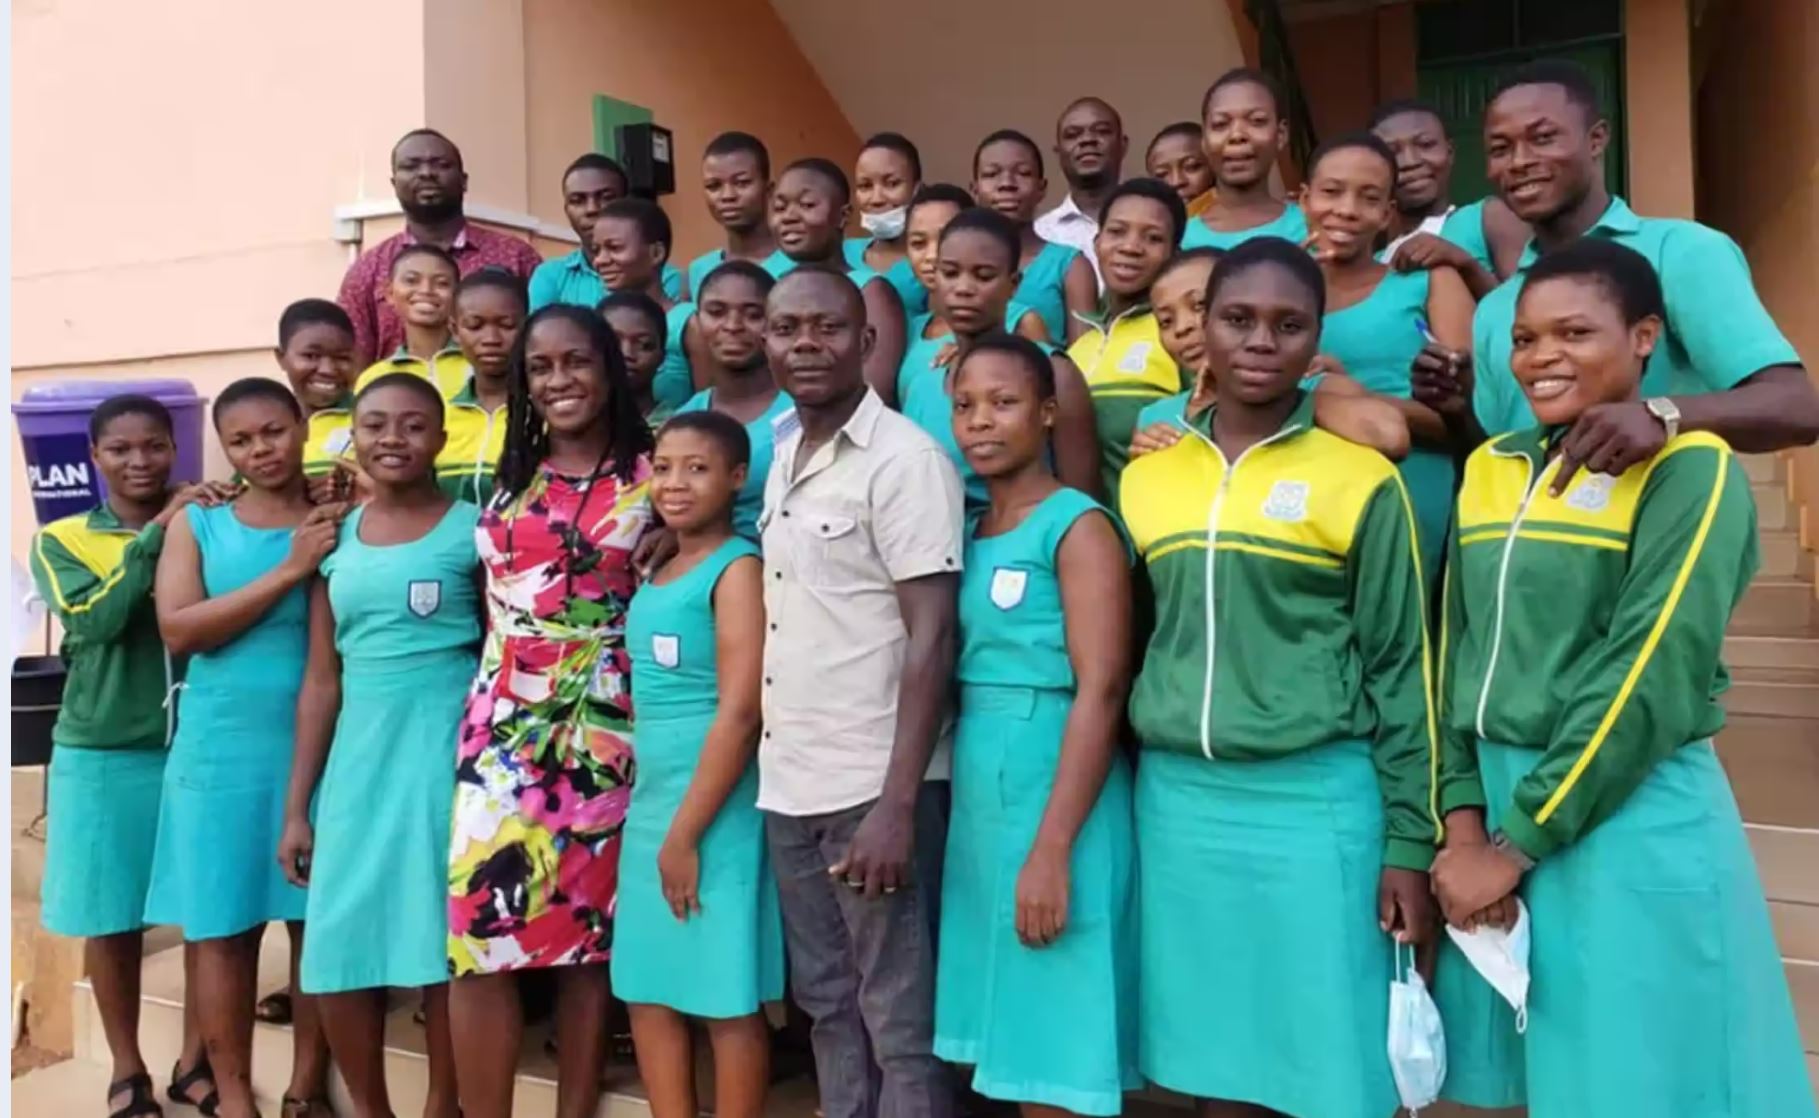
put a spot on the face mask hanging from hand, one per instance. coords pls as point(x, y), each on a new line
point(1501, 957)
point(1417, 1044)
point(886, 226)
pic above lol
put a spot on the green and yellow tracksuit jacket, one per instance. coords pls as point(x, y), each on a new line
point(329, 438)
point(1587, 626)
point(476, 438)
point(1126, 370)
point(1291, 611)
point(96, 574)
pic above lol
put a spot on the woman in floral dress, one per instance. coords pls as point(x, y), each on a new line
point(545, 765)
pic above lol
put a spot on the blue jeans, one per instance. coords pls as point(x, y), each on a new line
point(864, 970)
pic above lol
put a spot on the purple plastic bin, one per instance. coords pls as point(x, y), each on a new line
point(53, 429)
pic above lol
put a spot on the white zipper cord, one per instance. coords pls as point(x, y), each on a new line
point(1503, 572)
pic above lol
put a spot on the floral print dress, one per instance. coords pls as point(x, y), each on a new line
point(545, 754)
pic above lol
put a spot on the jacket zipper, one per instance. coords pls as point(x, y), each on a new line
point(486, 436)
point(1212, 551)
point(1503, 572)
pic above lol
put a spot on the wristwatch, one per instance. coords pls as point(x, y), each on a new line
point(1667, 412)
point(1501, 843)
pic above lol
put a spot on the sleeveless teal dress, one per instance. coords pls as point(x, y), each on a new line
point(726, 960)
point(1291, 225)
point(924, 399)
point(215, 867)
point(900, 276)
point(674, 381)
point(702, 266)
point(778, 422)
point(1043, 290)
point(407, 626)
point(1056, 1025)
point(1377, 339)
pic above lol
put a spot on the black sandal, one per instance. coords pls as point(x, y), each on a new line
point(141, 1100)
point(182, 1081)
point(293, 1107)
point(275, 1009)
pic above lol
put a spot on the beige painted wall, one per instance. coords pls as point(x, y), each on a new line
point(956, 70)
point(1658, 99)
point(702, 66)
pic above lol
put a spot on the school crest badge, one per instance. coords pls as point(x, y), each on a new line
point(666, 649)
point(1008, 584)
point(1593, 494)
point(1287, 502)
point(1135, 358)
point(424, 597)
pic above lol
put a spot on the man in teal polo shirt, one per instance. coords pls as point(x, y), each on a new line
point(1722, 365)
point(590, 182)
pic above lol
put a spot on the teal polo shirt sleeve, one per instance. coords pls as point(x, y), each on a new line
point(1465, 227)
point(546, 282)
point(1713, 308)
point(672, 282)
point(1496, 398)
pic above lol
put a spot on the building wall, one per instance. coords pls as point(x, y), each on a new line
point(1352, 59)
point(164, 217)
point(1758, 121)
point(701, 66)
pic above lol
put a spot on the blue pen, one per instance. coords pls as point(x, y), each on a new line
point(1426, 334)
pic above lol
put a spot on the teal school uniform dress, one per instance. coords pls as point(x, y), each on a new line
point(1465, 228)
point(1377, 339)
point(1043, 289)
point(571, 279)
point(900, 276)
point(1291, 225)
point(407, 626)
point(214, 870)
point(726, 960)
point(778, 422)
point(1718, 331)
point(702, 266)
point(924, 398)
point(675, 380)
point(1055, 1025)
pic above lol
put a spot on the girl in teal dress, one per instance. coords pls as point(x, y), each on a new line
point(1057, 282)
point(886, 178)
point(230, 595)
point(975, 278)
point(1377, 319)
point(631, 245)
point(394, 640)
point(642, 330)
point(732, 327)
point(1036, 972)
point(809, 209)
point(698, 932)
point(1244, 134)
point(736, 185)
point(933, 207)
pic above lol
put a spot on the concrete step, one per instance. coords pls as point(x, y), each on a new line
point(1773, 765)
point(1763, 468)
point(1776, 692)
point(1796, 930)
point(406, 1067)
point(1780, 554)
point(1775, 602)
point(69, 1088)
point(1773, 510)
point(1803, 983)
point(1788, 860)
point(1785, 646)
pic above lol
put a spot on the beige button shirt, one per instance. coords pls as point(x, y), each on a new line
point(878, 504)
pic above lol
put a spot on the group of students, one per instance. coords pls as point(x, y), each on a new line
point(1085, 670)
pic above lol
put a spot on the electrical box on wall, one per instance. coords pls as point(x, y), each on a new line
point(647, 152)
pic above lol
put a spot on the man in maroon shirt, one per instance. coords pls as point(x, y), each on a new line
point(431, 184)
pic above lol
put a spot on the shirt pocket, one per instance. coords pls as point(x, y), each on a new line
point(831, 547)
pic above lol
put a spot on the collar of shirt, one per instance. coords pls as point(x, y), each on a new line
point(1298, 420)
point(858, 430)
point(1067, 213)
point(1617, 220)
point(459, 244)
point(576, 262)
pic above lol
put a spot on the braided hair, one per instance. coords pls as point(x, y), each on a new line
point(526, 433)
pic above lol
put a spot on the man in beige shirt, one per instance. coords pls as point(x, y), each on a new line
point(863, 524)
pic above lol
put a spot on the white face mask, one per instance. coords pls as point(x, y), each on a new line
point(886, 226)
point(1417, 1045)
point(1501, 958)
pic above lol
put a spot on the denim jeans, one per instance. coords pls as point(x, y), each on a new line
point(864, 970)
